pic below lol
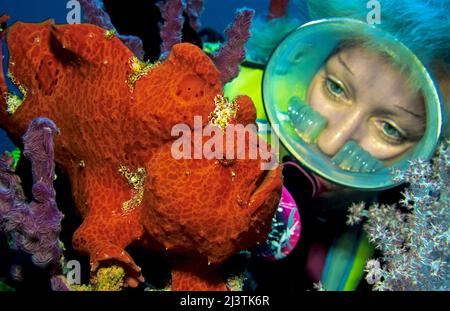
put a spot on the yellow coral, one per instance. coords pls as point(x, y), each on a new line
point(139, 69)
point(168, 288)
point(107, 279)
point(224, 112)
point(110, 33)
point(136, 181)
point(110, 279)
point(13, 102)
point(81, 288)
point(235, 283)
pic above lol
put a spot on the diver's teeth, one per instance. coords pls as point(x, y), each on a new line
point(353, 158)
point(307, 122)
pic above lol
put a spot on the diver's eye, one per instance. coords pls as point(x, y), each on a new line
point(334, 87)
point(390, 132)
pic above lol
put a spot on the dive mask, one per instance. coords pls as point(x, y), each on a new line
point(287, 79)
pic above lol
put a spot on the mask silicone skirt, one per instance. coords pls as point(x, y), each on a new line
point(351, 102)
point(309, 124)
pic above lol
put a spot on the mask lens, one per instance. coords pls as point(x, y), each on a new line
point(293, 93)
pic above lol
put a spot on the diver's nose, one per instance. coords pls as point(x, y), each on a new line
point(339, 131)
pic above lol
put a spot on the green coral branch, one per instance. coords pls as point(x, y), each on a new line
point(15, 154)
point(5, 287)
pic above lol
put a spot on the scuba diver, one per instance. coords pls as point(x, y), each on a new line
point(352, 101)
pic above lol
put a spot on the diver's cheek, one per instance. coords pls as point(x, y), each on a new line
point(382, 150)
point(316, 99)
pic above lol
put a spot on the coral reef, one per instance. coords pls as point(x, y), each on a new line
point(3, 90)
point(227, 59)
point(107, 279)
point(194, 9)
point(33, 227)
point(97, 16)
point(15, 155)
point(58, 283)
point(414, 237)
point(115, 144)
point(232, 52)
point(235, 283)
point(170, 31)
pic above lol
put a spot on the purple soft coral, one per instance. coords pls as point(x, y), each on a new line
point(97, 16)
point(170, 31)
point(34, 226)
point(232, 53)
point(194, 9)
point(59, 284)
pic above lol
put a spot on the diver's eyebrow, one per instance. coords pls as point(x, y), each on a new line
point(409, 111)
point(344, 64)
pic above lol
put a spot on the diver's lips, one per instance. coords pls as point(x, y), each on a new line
point(268, 182)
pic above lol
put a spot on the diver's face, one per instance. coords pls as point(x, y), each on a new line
point(366, 99)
